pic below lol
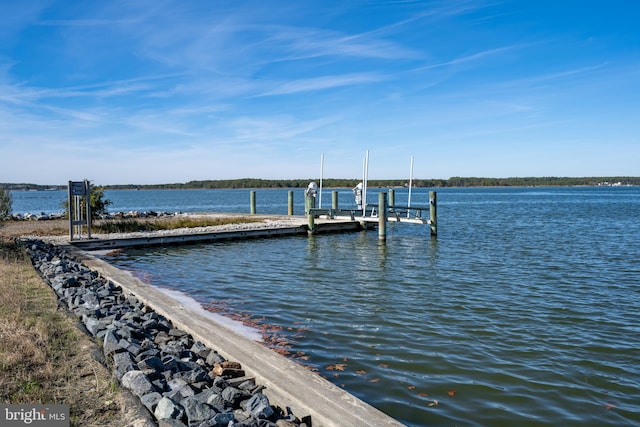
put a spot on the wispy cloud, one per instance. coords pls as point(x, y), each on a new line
point(305, 43)
point(274, 128)
point(474, 57)
point(84, 22)
point(323, 83)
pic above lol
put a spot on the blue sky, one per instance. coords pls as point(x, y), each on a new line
point(170, 91)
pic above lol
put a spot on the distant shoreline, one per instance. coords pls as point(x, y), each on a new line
point(453, 182)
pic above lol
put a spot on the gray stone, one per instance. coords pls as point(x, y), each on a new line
point(177, 384)
point(161, 338)
point(172, 347)
point(170, 362)
point(160, 385)
point(164, 324)
point(245, 419)
point(93, 325)
point(214, 358)
point(177, 333)
point(178, 389)
point(200, 349)
point(91, 300)
point(150, 324)
point(204, 395)
point(122, 363)
point(111, 343)
point(169, 422)
point(150, 400)
point(131, 346)
point(196, 411)
point(134, 349)
point(137, 382)
point(152, 362)
point(220, 420)
point(193, 376)
point(232, 395)
point(168, 409)
point(217, 401)
point(258, 406)
point(149, 352)
point(70, 282)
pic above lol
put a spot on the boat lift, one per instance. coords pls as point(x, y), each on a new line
point(381, 213)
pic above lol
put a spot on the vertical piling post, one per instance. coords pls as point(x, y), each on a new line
point(290, 203)
point(334, 200)
point(382, 216)
point(252, 201)
point(309, 203)
point(433, 213)
point(392, 197)
point(311, 223)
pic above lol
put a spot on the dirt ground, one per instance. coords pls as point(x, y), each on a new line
point(12, 229)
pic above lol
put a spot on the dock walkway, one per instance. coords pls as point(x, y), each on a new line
point(270, 226)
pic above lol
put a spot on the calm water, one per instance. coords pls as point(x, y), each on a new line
point(524, 310)
point(267, 201)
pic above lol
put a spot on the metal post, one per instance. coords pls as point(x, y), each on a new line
point(321, 177)
point(382, 216)
point(70, 208)
point(334, 200)
point(252, 201)
point(433, 213)
point(87, 200)
point(290, 203)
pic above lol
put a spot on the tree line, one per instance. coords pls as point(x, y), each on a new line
point(389, 183)
point(455, 181)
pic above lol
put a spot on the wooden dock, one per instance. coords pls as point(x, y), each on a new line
point(298, 227)
point(315, 221)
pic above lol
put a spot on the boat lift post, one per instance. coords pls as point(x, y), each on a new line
point(410, 185)
point(321, 177)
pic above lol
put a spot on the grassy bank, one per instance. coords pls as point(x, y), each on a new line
point(44, 357)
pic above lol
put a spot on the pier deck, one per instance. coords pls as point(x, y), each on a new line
point(282, 227)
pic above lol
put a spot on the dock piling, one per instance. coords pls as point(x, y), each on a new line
point(290, 203)
point(252, 201)
point(334, 200)
point(382, 216)
point(310, 203)
point(433, 213)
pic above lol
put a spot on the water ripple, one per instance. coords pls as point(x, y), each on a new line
point(523, 311)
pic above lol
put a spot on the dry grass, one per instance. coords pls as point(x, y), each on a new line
point(44, 357)
point(133, 225)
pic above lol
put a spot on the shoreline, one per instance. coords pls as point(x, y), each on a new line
point(323, 401)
